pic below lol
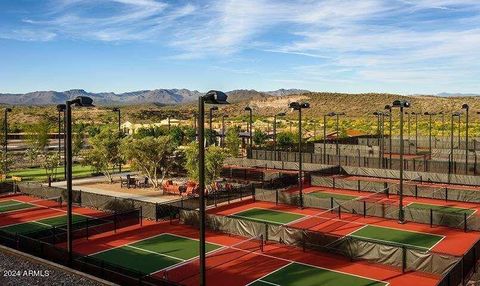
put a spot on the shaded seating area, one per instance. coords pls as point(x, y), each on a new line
point(134, 182)
point(188, 189)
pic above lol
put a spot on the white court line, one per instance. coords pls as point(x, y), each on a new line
point(314, 266)
point(266, 220)
point(153, 252)
point(268, 274)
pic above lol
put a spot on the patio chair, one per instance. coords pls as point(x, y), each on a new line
point(144, 184)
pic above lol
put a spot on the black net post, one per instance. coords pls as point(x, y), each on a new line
point(54, 235)
point(115, 222)
point(431, 217)
point(156, 212)
point(141, 216)
point(339, 211)
point(276, 197)
point(446, 194)
point(331, 202)
point(416, 191)
point(364, 208)
point(253, 192)
point(358, 185)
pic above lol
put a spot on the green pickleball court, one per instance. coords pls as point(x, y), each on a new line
point(327, 195)
point(296, 274)
point(396, 236)
point(266, 215)
point(443, 209)
point(13, 205)
point(153, 254)
point(42, 224)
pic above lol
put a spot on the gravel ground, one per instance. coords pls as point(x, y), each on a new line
point(18, 271)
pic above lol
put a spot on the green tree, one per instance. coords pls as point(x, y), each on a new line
point(104, 153)
point(50, 164)
point(153, 156)
point(233, 141)
point(190, 134)
point(177, 135)
point(5, 163)
point(259, 137)
point(214, 159)
point(78, 142)
point(285, 140)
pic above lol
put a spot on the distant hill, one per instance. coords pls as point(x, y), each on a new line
point(446, 94)
point(157, 96)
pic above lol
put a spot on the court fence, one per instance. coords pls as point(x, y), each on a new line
point(414, 187)
point(454, 270)
point(423, 164)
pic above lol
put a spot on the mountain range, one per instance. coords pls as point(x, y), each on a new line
point(158, 96)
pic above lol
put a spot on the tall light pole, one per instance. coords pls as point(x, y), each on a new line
point(401, 104)
point(450, 159)
point(211, 97)
point(61, 108)
point(5, 140)
point(281, 114)
point(430, 114)
point(467, 108)
point(408, 130)
point(337, 147)
point(380, 116)
point(222, 139)
point(119, 119)
point(210, 122)
point(459, 130)
point(330, 114)
point(81, 101)
point(298, 106)
point(416, 131)
point(443, 124)
point(389, 108)
point(250, 133)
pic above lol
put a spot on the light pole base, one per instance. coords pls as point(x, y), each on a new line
point(401, 222)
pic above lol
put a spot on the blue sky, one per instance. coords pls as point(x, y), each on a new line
point(397, 46)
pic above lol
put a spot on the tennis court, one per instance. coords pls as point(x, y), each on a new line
point(299, 274)
point(266, 215)
point(442, 208)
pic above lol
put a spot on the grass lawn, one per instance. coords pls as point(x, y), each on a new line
point(326, 195)
point(296, 274)
point(38, 174)
point(397, 236)
point(266, 215)
point(443, 209)
point(153, 254)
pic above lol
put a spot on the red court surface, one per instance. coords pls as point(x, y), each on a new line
point(455, 242)
point(26, 215)
point(249, 266)
point(393, 198)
